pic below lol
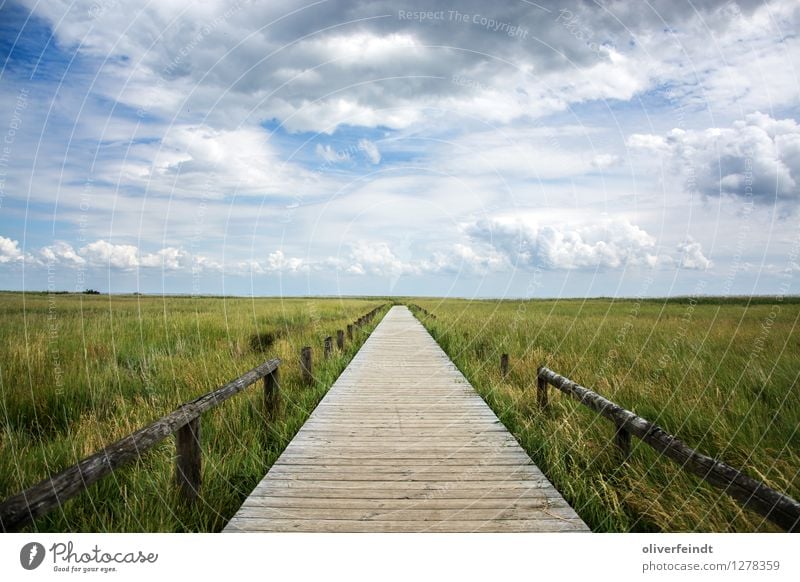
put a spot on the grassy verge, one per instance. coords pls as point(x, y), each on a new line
point(722, 376)
point(79, 372)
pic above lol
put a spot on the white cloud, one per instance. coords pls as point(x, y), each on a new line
point(647, 141)
point(169, 259)
point(199, 161)
point(378, 259)
point(60, 253)
point(124, 257)
point(756, 158)
point(102, 254)
point(608, 244)
point(278, 262)
point(691, 255)
point(473, 258)
point(105, 254)
point(9, 250)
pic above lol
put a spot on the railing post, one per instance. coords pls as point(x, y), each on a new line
point(340, 339)
point(623, 440)
point(349, 332)
point(328, 347)
point(272, 395)
point(541, 390)
point(504, 365)
point(188, 459)
point(305, 364)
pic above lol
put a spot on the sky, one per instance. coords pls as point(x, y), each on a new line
point(470, 149)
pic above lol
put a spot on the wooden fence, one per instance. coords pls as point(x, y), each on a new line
point(307, 353)
point(775, 506)
point(415, 307)
point(184, 422)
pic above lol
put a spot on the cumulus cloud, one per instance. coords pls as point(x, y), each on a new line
point(127, 257)
point(609, 244)
point(469, 259)
point(277, 261)
point(169, 259)
point(102, 253)
point(60, 253)
point(378, 259)
point(9, 250)
point(691, 255)
point(757, 158)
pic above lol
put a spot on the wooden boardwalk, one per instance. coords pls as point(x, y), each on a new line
point(403, 443)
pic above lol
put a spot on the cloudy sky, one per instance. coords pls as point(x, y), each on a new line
point(430, 148)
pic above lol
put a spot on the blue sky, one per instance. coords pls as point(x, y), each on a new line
point(614, 149)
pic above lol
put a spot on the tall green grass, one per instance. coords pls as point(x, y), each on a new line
point(722, 376)
point(79, 372)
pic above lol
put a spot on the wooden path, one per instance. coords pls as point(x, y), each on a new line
point(403, 443)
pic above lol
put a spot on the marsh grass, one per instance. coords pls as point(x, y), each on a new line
point(722, 376)
point(78, 372)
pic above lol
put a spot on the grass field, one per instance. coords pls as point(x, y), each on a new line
point(721, 375)
point(78, 372)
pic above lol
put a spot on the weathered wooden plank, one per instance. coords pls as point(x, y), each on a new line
point(435, 504)
point(426, 514)
point(405, 462)
point(502, 473)
point(424, 456)
point(409, 432)
point(408, 444)
point(358, 526)
point(425, 494)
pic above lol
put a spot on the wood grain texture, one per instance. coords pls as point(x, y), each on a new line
point(403, 443)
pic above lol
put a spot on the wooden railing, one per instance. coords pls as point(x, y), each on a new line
point(184, 422)
point(415, 307)
point(21, 509)
point(306, 352)
point(780, 509)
